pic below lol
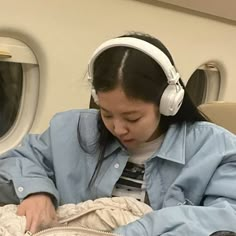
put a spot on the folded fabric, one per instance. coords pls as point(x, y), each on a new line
point(93, 218)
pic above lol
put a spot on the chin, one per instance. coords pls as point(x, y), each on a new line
point(131, 146)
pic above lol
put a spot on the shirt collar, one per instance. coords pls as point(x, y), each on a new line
point(112, 147)
point(173, 146)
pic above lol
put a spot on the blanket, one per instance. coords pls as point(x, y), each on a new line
point(100, 215)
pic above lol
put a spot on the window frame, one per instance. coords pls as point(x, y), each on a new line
point(17, 51)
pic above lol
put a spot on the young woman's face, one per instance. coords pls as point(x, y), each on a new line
point(132, 121)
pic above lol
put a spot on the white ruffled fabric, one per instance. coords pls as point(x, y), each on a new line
point(10, 223)
point(104, 214)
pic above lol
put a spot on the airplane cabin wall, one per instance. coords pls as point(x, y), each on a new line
point(64, 33)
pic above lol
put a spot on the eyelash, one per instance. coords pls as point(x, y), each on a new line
point(107, 117)
point(131, 121)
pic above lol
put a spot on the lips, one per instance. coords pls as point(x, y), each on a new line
point(125, 140)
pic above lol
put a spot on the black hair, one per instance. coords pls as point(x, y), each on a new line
point(140, 77)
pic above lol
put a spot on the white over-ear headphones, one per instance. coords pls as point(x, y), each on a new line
point(172, 96)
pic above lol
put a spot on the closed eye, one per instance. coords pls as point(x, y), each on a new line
point(133, 120)
point(107, 116)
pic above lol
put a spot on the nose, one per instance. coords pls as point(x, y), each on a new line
point(119, 128)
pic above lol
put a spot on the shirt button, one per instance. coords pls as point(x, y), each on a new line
point(117, 165)
point(20, 189)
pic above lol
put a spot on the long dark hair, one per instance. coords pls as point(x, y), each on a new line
point(140, 77)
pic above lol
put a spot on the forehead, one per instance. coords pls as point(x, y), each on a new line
point(117, 101)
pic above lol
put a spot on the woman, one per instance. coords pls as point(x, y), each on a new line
point(147, 141)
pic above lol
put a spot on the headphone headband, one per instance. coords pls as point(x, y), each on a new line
point(173, 94)
point(141, 45)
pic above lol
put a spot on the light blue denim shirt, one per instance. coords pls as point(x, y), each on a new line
point(190, 179)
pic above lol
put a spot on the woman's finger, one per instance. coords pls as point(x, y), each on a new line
point(22, 212)
point(34, 226)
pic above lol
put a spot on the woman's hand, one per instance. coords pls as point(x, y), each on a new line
point(39, 211)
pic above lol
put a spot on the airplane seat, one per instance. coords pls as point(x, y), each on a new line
point(221, 113)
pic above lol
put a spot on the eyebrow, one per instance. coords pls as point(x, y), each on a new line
point(124, 113)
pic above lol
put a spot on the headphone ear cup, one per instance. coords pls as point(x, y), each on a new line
point(171, 100)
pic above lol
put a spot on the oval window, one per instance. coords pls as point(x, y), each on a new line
point(19, 89)
point(204, 84)
point(11, 83)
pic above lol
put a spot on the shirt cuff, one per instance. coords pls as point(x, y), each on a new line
point(26, 186)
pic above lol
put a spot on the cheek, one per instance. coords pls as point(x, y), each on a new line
point(147, 127)
point(141, 128)
point(157, 120)
point(153, 122)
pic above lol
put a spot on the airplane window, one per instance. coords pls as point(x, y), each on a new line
point(11, 79)
point(19, 89)
point(204, 84)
